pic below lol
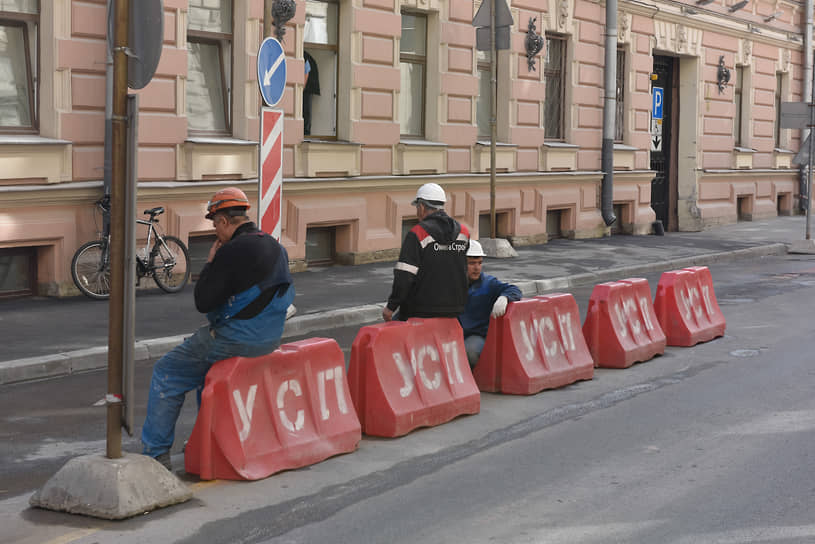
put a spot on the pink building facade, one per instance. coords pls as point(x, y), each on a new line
point(403, 100)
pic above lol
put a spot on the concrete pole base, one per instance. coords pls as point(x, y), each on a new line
point(806, 247)
point(96, 486)
point(497, 247)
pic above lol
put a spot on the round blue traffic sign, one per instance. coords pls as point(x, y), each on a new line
point(271, 71)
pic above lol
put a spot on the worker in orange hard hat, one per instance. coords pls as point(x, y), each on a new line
point(230, 200)
point(245, 289)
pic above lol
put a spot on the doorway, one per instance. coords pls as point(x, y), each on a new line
point(664, 141)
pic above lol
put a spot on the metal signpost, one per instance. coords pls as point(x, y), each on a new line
point(140, 28)
point(492, 22)
point(800, 115)
point(272, 83)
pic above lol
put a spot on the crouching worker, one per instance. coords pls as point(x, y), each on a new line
point(486, 297)
point(245, 289)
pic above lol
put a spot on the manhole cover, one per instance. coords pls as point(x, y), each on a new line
point(744, 353)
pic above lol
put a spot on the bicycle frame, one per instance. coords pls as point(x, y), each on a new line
point(150, 228)
point(148, 267)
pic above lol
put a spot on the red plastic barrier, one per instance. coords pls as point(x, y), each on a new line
point(284, 410)
point(621, 327)
point(536, 345)
point(686, 307)
point(405, 375)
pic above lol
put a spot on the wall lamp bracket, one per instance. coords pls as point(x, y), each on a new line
point(738, 6)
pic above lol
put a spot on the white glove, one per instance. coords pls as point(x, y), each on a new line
point(500, 307)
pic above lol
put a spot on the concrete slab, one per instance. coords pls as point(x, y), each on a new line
point(804, 247)
point(93, 485)
point(498, 248)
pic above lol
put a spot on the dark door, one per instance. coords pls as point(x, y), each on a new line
point(661, 143)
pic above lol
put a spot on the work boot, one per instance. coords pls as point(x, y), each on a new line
point(164, 459)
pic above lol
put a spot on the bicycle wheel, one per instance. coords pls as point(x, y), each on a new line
point(170, 262)
point(90, 270)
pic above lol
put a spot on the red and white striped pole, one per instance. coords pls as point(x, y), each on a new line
point(270, 178)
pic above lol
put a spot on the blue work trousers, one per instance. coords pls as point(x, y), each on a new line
point(183, 369)
point(474, 345)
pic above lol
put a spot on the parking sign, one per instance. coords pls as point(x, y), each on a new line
point(656, 106)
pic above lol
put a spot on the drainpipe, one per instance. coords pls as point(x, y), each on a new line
point(805, 177)
point(609, 112)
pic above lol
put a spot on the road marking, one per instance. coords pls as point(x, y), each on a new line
point(197, 486)
point(73, 536)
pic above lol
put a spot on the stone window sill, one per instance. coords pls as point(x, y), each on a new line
point(420, 157)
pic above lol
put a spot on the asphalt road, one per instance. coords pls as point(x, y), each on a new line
point(41, 326)
point(704, 444)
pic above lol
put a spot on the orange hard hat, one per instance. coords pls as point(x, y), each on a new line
point(231, 197)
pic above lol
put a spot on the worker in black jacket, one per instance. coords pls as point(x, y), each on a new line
point(430, 278)
point(245, 289)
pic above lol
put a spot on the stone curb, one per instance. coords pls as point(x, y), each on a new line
point(63, 364)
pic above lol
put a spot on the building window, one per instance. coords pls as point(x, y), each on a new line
point(320, 53)
point(737, 116)
point(209, 66)
point(412, 61)
point(779, 81)
point(483, 105)
point(18, 271)
point(619, 113)
point(320, 245)
point(19, 22)
point(199, 246)
point(554, 74)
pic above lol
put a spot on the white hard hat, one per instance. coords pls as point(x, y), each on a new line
point(475, 249)
point(431, 193)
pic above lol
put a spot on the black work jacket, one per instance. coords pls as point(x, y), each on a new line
point(430, 278)
point(248, 258)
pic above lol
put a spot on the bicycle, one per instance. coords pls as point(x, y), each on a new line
point(167, 261)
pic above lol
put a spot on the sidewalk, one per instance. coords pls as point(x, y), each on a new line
point(52, 337)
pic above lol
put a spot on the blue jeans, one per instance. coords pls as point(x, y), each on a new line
point(183, 369)
point(473, 345)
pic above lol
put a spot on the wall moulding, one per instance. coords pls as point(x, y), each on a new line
point(422, 5)
point(709, 22)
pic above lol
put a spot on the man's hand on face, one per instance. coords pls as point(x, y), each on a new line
point(213, 250)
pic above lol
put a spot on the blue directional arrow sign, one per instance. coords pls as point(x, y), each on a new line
point(271, 71)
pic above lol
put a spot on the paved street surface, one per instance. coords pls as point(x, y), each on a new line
point(704, 444)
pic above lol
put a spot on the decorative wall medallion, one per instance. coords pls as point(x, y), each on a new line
point(722, 75)
point(748, 53)
point(282, 12)
point(563, 13)
point(533, 44)
point(624, 28)
point(681, 38)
